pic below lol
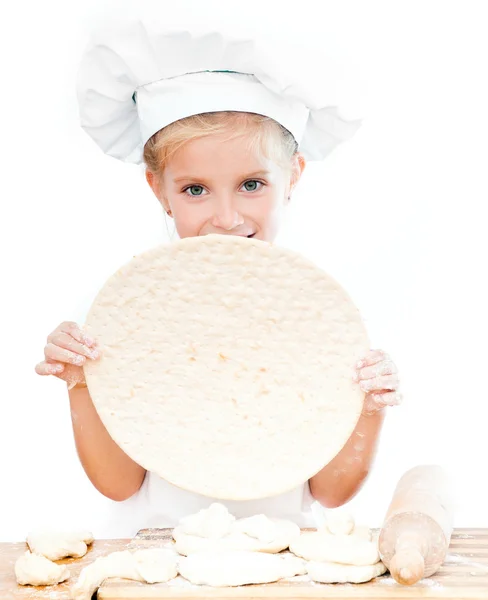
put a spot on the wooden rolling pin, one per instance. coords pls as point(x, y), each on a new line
point(417, 528)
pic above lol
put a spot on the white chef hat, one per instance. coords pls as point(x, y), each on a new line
point(132, 82)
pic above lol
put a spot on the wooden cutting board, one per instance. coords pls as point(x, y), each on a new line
point(464, 575)
point(9, 553)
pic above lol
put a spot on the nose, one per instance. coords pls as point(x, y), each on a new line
point(226, 216)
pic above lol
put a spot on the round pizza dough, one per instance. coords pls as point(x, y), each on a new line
point(226, 365)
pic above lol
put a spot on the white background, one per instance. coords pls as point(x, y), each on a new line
point(396, 215)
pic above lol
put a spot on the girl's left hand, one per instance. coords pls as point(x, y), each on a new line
point(377, 375)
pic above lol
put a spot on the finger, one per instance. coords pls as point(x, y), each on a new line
point(74, 377)
point(384, 367)
point(386, 382)
point(386, 399)
point(373, 357)
point(66, 341)
point(376, 402)
point(55, 353)
point(76, 332)
point(47, 368)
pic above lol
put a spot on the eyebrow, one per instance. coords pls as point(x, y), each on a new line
point(194, 178)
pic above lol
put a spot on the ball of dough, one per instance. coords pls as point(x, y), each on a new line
point(233, 568)
point(56, 544)
point(344, 549)
point(258, 527)
point(257, 534)
point(339, 522)
point(326, 572)
point(33, 569)
point(213, 522)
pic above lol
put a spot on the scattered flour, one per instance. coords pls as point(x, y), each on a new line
point(422, 583)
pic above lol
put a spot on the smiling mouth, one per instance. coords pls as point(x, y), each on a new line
point(251, 236)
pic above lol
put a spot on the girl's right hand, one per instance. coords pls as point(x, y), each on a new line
point(65, 353)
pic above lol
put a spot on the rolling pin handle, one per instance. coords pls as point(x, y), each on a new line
point(417, 527)
point(407, 566)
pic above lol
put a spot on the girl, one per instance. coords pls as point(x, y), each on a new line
point(222, 153)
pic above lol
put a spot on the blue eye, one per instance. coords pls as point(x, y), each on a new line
point(198, 189)
point(254, 185)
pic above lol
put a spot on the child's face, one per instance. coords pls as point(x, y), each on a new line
point(213, 185)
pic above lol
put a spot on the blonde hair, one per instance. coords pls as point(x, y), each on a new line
point(264, 136)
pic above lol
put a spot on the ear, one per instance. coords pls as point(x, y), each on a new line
point(155, 184)
point(299, 164)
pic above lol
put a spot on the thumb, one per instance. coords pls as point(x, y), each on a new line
point(73, 376)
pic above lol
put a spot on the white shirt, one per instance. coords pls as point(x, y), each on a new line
point(160, 504)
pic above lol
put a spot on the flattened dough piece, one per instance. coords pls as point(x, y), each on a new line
point(274, 536)
point(57, 544)
point(225, 348)
point(233, 568)
point(33, 569)
point(326, 572)
point(343, 549)
point(152, 566)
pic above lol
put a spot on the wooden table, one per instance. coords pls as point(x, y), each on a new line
point(463, 576)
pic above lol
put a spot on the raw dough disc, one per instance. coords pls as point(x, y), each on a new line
point(222, 569)
point(221, 351)
point(326, 572)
